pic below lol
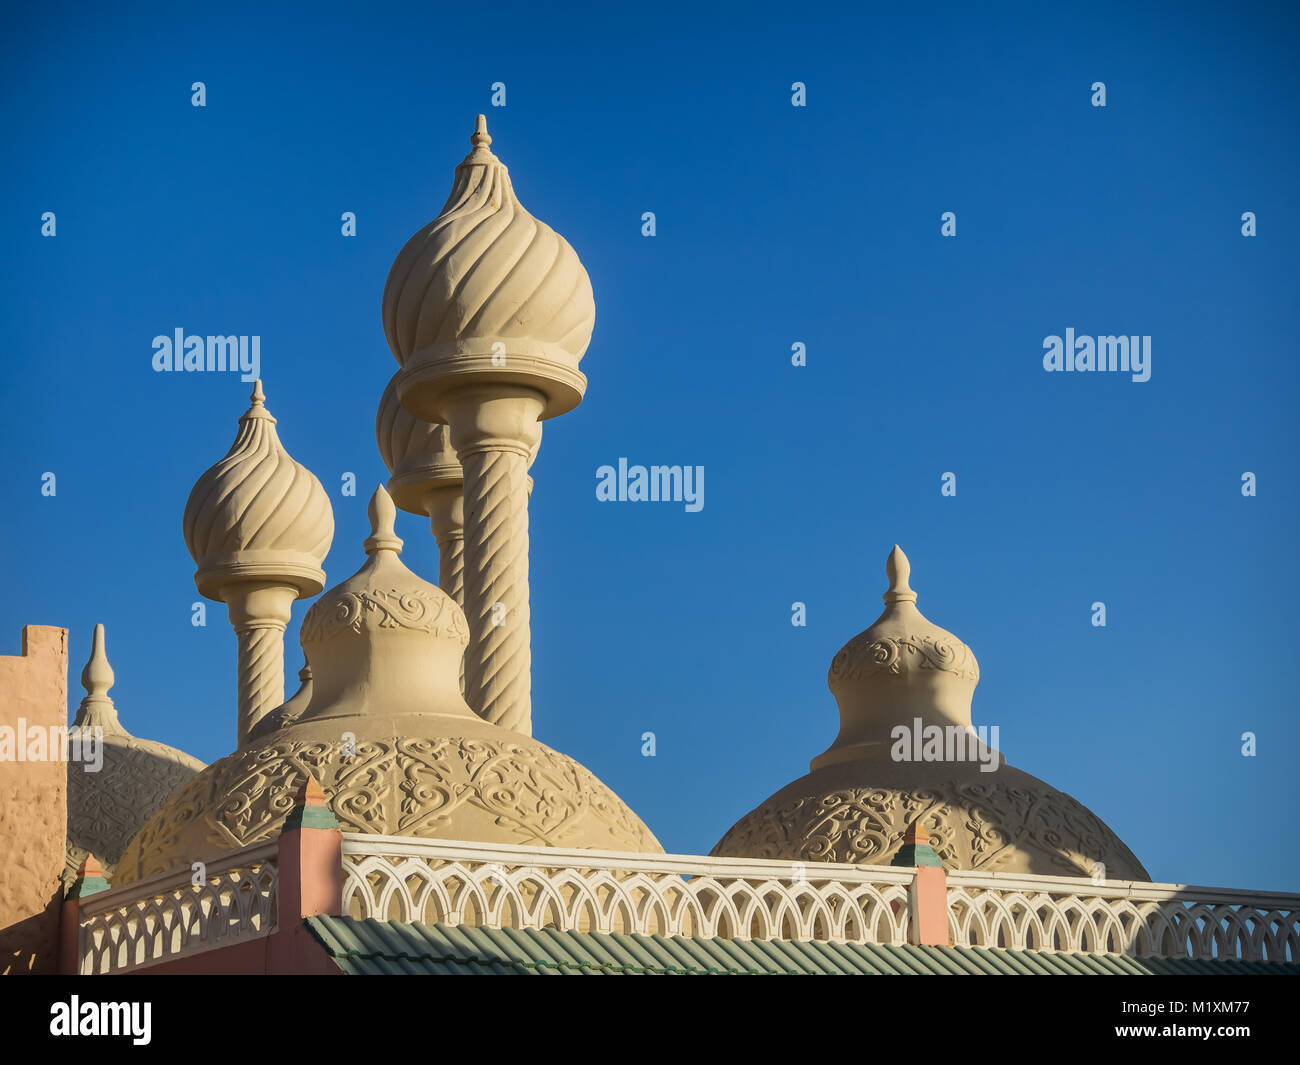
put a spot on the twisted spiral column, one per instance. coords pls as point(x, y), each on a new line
point(498, 664)
point(495, 429)
point(261, 672)
point(259, 613)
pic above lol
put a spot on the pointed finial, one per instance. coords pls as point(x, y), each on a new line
point(97, 707)
point(257, 405)
point(480, 138)
point(382, 516)
point(98, 676)
point(898, 569)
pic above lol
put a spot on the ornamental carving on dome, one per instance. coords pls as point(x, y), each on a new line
point(973, 825)
point(423, 787)
point(896, 654)
point(107, 808)
point(413, 608)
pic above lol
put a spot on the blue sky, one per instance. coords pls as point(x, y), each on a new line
point(775, 225)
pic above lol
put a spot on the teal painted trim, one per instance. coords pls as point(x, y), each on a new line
point(912, 854)
point(83, 886)
point(310, 817)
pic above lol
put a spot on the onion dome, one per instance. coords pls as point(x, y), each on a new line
point(108, 805)
point(388, 735)
point(907, 754)
point(488, 291)
point(258, 514)
point(417, 453)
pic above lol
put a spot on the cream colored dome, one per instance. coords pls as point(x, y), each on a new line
point(107, 808)
point(391, 740)
point(861, 794)
point(258, 510)
point(417, 453)
point(486, 280)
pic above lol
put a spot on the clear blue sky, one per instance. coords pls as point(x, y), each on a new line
point(775, 225)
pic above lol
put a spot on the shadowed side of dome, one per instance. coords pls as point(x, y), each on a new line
point(907, 752)
point(110, 801)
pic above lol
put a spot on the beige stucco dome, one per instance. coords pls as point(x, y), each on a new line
point(861, 794)
point(258, 512)
point(106, 808)
point(487, 289)
point(417, 453)
point(391, 740)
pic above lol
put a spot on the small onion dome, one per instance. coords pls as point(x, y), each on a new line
point(903, 663)
point(108, 806)
point(258, 514)
point(487, 292)
point(908, 757)
point(417, 453)
point(391, 740)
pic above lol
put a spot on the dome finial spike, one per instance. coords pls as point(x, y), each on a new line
point(382, 516)
point(258, 397)
point(481, 138)
point(98, 675)
point(898, 569)
point(97, 709)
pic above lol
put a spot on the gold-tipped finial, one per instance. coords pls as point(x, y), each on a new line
point(382, 516)
point(480, 138)
point(898, 569)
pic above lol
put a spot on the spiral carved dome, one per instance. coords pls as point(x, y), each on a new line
point(389, 737)
point(907, 753)
point(417, 453)
point(257, 513)
point(487, 289)
point(107, 808)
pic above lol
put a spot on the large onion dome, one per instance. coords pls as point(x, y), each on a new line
point(907, 752)
point(487, 290)
point(391, 740)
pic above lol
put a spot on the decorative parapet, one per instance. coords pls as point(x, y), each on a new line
point(171, 917)
point(1076, 915)
point(402, 879)
point(450, 882)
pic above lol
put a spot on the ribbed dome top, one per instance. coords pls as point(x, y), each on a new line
point(257, 505)
point(486, 268)
point(417, 453)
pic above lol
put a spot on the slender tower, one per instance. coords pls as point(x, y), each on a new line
point(258, 525)
point(489, 311)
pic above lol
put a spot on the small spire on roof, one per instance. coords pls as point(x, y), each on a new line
point(382, 516)
point(898, 569)
point(97, 707)
point(480, 138)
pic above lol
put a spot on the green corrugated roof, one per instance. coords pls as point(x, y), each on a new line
point(373, 947)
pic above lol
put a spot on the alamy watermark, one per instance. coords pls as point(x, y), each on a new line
point(1110, 354)
point(212, 354)
point(53, 743)
point(946, 743)
point(656, 484)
